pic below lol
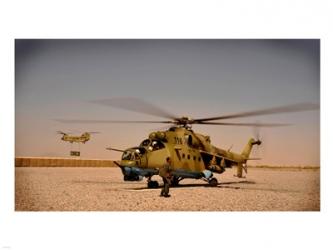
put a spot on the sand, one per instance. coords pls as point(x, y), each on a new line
point(103, 189)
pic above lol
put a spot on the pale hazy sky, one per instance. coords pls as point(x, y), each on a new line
point(197, 78)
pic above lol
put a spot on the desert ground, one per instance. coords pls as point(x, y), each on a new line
point(103, 189)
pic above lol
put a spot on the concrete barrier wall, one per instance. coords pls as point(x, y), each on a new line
point(69, 162)
point(61, 162)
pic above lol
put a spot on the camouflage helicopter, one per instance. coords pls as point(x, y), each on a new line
point(192, 154)
point(76, 138)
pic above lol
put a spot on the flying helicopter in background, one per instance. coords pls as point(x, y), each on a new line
point(191, 153)
point(76, 138)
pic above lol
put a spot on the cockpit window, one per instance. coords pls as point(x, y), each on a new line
point(140, 151)
point(157, 145)
point(127, 155)
point(152, 145)
point(145, 143)
point(136, 156)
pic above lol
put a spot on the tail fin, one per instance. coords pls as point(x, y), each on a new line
point(247, 150)
point(246, 153)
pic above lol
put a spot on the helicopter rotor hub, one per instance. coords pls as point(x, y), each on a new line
point(184, 121)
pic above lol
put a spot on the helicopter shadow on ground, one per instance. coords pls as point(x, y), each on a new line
point(205, 185)
point(242, 185)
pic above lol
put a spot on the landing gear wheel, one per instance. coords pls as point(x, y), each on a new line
point(213, 182)
point(152, 184)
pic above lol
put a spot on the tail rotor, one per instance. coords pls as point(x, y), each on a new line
point(257, 135)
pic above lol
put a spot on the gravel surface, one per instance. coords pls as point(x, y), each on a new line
point(103, 189)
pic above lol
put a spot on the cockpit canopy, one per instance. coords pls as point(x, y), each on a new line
point(133, 154)
point(152, 145)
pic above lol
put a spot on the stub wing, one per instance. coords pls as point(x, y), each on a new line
point(221, 160)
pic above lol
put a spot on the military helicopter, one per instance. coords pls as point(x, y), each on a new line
point(76, 138)
point(192, 154)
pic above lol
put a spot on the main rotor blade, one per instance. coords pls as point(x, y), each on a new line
point(106, 121)
point(277, 110)
point(136, 105)
point(245, 124)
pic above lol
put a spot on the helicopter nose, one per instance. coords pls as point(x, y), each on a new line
point(128, 163)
